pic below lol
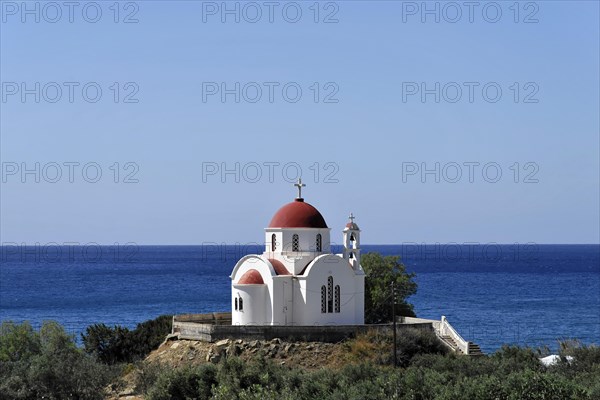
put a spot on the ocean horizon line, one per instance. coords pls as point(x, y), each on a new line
point(480, 243)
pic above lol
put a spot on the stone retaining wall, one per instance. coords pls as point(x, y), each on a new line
point(208, 328)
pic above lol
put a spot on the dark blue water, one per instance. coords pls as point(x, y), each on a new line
point(493, 294)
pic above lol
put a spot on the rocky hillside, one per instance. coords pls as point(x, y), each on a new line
point(181, 353)
point(302, 354)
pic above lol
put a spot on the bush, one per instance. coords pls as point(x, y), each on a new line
point(185, 383)
point(18, 342)
point(119, 344)
point(377, 347)
point(146, 375)
point(148, 335)
point(47, 364)
point(533, 385)
point(412, 342)
point(458, 366)
point(585, 358)
point(109, 345)
point(513, 358)
point(370, 346)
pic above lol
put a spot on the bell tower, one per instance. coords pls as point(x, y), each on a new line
point(352, 243)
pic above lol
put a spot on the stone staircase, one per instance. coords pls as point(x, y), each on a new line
point(448, 336)
point(450, 343)
point(474, 349)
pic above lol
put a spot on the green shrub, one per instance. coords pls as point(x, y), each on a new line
point(458, 366)
point(117, 344)
point(47, 364)
point(534, 385)
point(18, 342)
point(420, 383)
point(585, 358)
point(483, 387)
point(108, 344)
point(146, 375)
point(513, 359)
point(148, 335)
point(185, 383)
point(412, 342)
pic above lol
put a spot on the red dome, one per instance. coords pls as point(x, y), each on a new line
point(278, 266)
point(298, 214)
point(251, 277)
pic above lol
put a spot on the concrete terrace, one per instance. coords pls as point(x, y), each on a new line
point(217, 326)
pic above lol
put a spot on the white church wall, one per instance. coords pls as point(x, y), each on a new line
point(343, 276)
point(245, 264)
point(299, 301)
point(307, 239)
point(281, 298)
point(359, 299)
point(255, 304)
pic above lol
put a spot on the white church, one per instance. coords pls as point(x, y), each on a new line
point(297, 280)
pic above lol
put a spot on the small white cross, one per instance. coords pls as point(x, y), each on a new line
point(351, 217)
point(299, 185)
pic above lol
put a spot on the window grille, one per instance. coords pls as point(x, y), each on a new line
point(330, 294)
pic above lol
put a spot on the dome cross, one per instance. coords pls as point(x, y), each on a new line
point(351, 217)
point(299, 185)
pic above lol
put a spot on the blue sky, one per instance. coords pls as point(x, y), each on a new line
point(366, 131)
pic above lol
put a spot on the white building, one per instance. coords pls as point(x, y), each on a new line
point(297, 280)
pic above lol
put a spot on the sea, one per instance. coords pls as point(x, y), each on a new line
point(493, 294)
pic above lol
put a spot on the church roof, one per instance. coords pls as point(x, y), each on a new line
point(251, 277)
point(278, 266)
point(298, 214)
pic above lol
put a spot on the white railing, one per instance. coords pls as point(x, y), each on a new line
point(447, 330)
point(414, 320)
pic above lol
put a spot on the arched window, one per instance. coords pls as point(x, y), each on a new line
point(295, 243)
point(351, 256)
point(323, 299)
point(319, 242)
point(330, 294)
point(273, 242)
point(337, 298)
point(353, 241)
point(236, 304)
point(241, 304)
